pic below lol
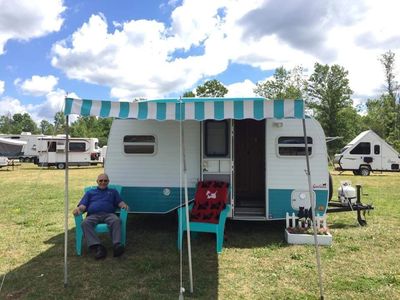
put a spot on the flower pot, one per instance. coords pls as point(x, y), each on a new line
point(304, 238)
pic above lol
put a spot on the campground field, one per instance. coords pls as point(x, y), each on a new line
point(256, 263)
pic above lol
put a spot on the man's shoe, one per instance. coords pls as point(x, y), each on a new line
point(101, 252)
point(118, 250)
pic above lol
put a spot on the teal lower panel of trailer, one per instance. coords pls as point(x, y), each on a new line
point(280, 202)
point(154, 199)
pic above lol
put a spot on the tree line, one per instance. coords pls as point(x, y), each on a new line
point(326, 92)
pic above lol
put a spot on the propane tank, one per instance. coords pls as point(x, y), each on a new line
point(346, 193)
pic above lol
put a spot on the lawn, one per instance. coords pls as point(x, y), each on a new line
point(362, 263)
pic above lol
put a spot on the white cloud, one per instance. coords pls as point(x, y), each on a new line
point(2, 87)
point(241, 89)
point(27, 19)
point(11, 106)
point(37, 85)
point(146, 58)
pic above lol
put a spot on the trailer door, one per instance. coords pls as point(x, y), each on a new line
point(249, 169)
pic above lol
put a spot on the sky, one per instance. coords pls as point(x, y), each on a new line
point(127, 49)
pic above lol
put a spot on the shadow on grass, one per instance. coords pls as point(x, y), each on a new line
point(149, 269)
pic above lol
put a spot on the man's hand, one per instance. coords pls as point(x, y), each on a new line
point(78, 210)
point(123, 205)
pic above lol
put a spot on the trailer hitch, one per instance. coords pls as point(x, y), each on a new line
point(334, 206)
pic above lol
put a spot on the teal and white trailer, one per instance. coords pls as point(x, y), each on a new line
point(255, 144)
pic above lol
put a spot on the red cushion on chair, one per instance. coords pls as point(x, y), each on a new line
point(210, 200)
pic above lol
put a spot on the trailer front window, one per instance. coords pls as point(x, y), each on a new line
point(139, 144)
point(362, 148)
point(294, 146)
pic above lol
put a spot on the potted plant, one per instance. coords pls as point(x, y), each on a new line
point(301, 230)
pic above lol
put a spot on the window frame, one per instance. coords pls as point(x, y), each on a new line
point(226, 135)
point(140, 143)
point(300, 144)
point(72, 143)
point(355, 147)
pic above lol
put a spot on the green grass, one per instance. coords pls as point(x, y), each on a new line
point(362, 263)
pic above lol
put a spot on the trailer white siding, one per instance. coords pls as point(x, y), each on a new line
point(161, 169)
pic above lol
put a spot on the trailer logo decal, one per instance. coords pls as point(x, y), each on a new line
point(319, 186)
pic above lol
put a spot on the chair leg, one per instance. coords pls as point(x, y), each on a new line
point(78, 241)
point(220, 241)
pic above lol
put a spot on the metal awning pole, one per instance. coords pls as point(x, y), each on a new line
point(66, 203)
point(186, 207)
point(313, 208)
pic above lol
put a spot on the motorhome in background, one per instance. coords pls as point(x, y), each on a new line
point(29, 151)
point(103, 154)
point(367, 153)
point(82, 151)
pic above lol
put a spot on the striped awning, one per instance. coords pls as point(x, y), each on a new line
point(188, 109)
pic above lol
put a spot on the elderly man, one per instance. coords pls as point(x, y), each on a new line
point(100, 205)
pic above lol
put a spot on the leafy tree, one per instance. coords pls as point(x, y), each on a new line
point(23, 122)
point(384, 113)
point(329, 96)
point(284, 85)
point(188, 94)
point(46, 127)
point(59, 123)
point(211, 88)
point(6, 123)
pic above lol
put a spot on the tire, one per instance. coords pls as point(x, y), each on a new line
point(330, 187)
point(60, 166)
point(364, 171)
point(356, 172)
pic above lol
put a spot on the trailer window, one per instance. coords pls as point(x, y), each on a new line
point(77, 147)
point(294, 146)
point(216, 142)
point(362, 148)
point(51, 146)
point(139, 144)
point(377, 149)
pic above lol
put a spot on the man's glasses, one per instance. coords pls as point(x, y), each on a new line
point(103, 180)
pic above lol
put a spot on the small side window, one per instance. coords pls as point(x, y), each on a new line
point(377, 149)
point(139, 144)
point(362, 148)
point(216, 138)
point(77, 147)
point(294, 146)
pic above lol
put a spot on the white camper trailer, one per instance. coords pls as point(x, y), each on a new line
point(366, 153)
point(255, 144)
point(29, 151)
point(82, 152)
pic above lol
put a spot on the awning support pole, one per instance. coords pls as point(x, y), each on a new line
point(66, 202)
point(313, 208)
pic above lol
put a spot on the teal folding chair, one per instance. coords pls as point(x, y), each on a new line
point(101, 227)
point(217, 228)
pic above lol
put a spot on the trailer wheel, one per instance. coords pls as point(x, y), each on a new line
point(60, 166)
point(330, 187)
point(364, 171)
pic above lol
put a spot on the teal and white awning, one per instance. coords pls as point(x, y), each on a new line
point(188, 109)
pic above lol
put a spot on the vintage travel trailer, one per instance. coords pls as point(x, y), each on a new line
point(366, 153)
point(82, 151)
point(254, 144)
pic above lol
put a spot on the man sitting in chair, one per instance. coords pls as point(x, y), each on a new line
point(100, 205)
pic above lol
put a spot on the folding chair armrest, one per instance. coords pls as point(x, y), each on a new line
point(78, 220)
point(224, 214)
point(123, 215)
